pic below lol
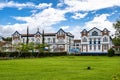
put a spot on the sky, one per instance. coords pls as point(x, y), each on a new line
point(51, 15)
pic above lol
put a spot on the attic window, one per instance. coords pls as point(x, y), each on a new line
point(95, 33)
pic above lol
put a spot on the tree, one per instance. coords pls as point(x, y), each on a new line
point(27, 41)
point(43, 39)
point(116, 25)
point(116, 40)
point(7, 39)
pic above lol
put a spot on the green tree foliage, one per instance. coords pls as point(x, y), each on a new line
point(7, 39)
point(111, 52)
point(116, 40)
point(27, 36)
point(40, 47)
point(116, 25)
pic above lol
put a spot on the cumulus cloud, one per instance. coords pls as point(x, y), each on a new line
point(89, 5)
point(76, 31)
point(43, 20)
point(79, 15)
point(100, 22)
point(50, 16)
point(47, 17)
point(24, 5)
point(65, 27)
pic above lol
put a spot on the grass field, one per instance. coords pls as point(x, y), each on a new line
point(61, 68)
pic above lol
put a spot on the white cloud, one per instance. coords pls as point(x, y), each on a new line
point(43, 5)
point(89, 5)
point(100, 22)
point(50, 16)
point(79, 15)
point(24, 5)
point(47, 17)
point(64, 27)
point(43, 20)
point(76, 31)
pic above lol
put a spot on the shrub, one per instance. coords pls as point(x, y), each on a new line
point(13, 54)
point(4, 54)
point(26, 54)
point(111, 52)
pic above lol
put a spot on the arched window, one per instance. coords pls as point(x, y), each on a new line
point(105, 39)
point(95, 33)
point(84, 39)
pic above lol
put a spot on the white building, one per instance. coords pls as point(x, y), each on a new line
point(95, 41)
point(60, 41)
point(92, 41)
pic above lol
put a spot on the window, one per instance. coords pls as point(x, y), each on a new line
point(77, 44)
point(48, 40)
point(38, 41)
point(90, 47)
point(60, 41)
point(23, 40)
point(98, 40)
point(90, 41)
point(94, 40)
point(105, 39)
point(105, 47)
point(32, 39)
point(53, 40)
point(94, 47)
point(84, 39)
point(99, 47)
point(95, 33)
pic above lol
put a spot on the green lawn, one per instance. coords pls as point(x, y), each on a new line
point(61, 68)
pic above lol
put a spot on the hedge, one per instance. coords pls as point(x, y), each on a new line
point(31, 54)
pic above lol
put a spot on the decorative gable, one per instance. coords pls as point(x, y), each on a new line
point(16, 35)
point(38, 34)
point(84, 33)
point(61, 34)
point(95, 32)
point(105, 32)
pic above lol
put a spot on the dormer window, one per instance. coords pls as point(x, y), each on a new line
point(95, 33)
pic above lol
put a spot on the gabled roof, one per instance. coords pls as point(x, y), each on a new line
point(16, 32)
point(69, 34)
point(106, 29)
point(60, 30)
point(94, 28)
point(84, 30)
point(37, 32)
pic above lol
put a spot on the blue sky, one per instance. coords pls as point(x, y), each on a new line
point(51, 15)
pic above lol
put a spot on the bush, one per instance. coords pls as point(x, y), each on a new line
point(13, 54)
point(4, 54)
point(26, 54)
point(31, 54)
point(111, 52)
